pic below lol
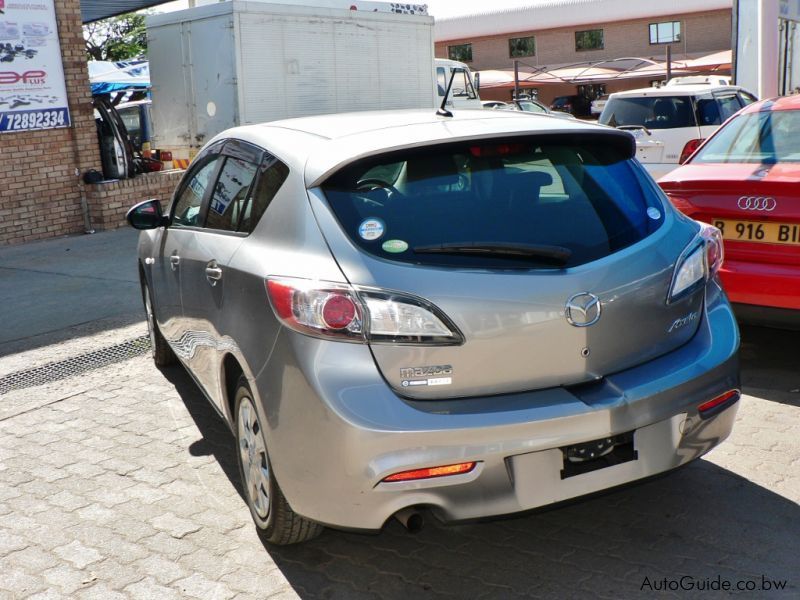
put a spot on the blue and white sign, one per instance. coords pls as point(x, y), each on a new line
point(33, 94)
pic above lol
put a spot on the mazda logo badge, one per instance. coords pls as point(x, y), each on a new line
point(762, 203)
point(583, 309)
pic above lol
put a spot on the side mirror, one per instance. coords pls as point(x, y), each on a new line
point(146, 215)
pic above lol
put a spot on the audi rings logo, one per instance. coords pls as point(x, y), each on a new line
point(761, 203)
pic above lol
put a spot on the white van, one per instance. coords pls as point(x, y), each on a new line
point(671, 121)
point(463, 94)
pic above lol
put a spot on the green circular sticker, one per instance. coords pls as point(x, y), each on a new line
point(394, 246)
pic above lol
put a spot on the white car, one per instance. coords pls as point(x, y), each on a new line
point(670, 122)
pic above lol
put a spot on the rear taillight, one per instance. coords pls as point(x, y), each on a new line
point(689, 149)
point(699, 263)
point(330, 310)
point(355, 314)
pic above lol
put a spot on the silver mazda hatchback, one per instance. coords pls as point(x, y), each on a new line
point(473, 315)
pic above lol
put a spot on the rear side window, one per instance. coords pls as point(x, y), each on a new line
point(428, 206)
point(273, 174)
point(653, 112)
point(766, 137)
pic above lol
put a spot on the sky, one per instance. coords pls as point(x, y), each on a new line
point(437, 8)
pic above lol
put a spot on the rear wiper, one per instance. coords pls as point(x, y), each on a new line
point(557, 254)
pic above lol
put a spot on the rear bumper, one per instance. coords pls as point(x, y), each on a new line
point(336, 430)
point(760, 284)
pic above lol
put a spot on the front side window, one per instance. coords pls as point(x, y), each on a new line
point(591, 39)
point(554, 200)
point(665, 33)
point(652, 112)
point(524, 46)
point(190, 200)
point(461, 52)
point(230, 194)
point(766, 137)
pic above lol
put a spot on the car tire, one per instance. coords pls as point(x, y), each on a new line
point(275, 520)
point(163, 355)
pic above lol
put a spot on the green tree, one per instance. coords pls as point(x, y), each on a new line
point(118, 38)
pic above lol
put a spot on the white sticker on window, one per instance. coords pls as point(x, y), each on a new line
point(654, 213)
point(371, 229)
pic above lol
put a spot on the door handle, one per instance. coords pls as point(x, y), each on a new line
point(213, 273)
point(174, 261)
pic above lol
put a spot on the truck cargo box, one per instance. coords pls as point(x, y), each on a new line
point(236, 63)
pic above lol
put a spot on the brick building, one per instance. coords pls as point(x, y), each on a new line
point(41, 191)
point(548, 34)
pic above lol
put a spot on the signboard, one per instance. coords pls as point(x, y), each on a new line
point(33, 94)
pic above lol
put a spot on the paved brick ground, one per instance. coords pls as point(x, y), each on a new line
point(121, 483)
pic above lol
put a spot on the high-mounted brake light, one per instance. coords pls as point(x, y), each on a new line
point(355, 314)
point(431, 472)
point(491, 150)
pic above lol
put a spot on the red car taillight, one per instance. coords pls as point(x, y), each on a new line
point(343, 312)
point(689, 149)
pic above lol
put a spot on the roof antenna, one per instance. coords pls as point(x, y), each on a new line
point(443, 112)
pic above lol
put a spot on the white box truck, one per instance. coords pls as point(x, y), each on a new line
point(234, 63)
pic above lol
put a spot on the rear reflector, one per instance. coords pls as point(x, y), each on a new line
point(432, 472)
point(718, 403)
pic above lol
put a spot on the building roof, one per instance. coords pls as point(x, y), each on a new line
point(537, 15)
point(95, 10)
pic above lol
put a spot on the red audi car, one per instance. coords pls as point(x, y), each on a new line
point(745, 180)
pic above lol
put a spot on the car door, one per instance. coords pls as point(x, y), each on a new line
point(205, 259)
point(166, 264)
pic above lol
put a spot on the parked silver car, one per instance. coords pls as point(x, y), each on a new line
point(477, 315)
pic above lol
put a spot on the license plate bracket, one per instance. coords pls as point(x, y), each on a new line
point(597, 454)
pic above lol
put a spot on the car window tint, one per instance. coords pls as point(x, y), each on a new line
point(728, 106)
point(528, 106)
point(653, 112)
point(583, 195)
point(270, 179)
point(766, 137)
point(230, 194)
point(188, 204)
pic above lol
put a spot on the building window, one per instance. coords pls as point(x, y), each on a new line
point(591, 39)
point(524, 46)
point(665, 33)
point(461, 53)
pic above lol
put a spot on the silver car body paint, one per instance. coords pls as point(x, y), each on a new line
point(338, 417)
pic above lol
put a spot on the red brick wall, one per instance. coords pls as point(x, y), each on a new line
point(39, 193)
point(108, 202)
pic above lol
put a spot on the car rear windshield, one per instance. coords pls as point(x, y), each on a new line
point(766, 137)
point(653, 112)
point(546, 202)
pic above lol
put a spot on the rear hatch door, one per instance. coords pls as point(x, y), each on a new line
point(385, 217)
